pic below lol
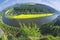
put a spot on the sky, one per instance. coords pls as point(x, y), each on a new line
point(52, 3)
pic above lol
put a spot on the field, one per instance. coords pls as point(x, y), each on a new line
point(26, 16)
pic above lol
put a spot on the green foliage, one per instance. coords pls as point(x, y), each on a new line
point(22, 33)
point(50, 29)
point(30, 32)
point(50, 37)
point(3, 37)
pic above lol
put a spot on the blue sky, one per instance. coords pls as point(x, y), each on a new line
point(1, 1)
point(53, 3)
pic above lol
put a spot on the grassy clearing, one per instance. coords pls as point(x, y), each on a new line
point(26, 16)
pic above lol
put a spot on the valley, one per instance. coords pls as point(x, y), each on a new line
point(30, 22)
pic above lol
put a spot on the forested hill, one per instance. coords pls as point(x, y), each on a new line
point(35, 8)
point(31, 8)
